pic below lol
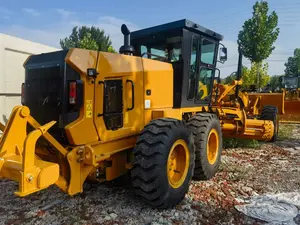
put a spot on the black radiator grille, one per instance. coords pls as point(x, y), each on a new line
point(46, 91)
point(43, 93)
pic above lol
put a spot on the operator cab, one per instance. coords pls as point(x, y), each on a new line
point(193, 52)
point(290, 83)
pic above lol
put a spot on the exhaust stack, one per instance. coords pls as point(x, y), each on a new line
point(126, 49)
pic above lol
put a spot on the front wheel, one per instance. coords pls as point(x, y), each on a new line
point(163, 163)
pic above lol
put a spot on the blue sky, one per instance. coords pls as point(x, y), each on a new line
point(48, 21)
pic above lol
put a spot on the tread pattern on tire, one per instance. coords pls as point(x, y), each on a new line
point(269, 112)
point(151, 154)
point(199, 125)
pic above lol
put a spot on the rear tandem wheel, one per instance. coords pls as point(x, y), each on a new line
point(270, 112)
point(208, 140)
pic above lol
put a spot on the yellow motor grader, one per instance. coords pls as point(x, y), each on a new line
point(291, 91)
point(90, 115)
point(287, 100)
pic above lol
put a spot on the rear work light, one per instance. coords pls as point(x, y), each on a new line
point(72, 92)
point(23, 93)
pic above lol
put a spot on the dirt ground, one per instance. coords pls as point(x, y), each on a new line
point(271, 168)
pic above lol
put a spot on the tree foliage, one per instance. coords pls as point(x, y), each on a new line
point(229, 79)
point(111, 49)
point(249, 75)
point(293, 64)
point(275, 82)
point(259, 33)
point(257, 37)
point(87, 42)
point(88, 38)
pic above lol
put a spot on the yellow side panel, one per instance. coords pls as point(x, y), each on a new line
point(83, 130)
point(117, 66)
point(119, 161)
point(158, 78)
point(162, 113)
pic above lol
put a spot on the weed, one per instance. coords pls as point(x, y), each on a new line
point(285, 131)
point(240, 143)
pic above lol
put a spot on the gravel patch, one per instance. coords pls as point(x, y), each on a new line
point(272, 168)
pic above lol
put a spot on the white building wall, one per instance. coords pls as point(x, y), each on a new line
point(13, 53)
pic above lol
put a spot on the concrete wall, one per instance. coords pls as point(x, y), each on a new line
point(13, 53)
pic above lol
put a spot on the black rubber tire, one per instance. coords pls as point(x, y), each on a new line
point(122, 181)
point(270, 112)
point(149, 172)
point(200, 125)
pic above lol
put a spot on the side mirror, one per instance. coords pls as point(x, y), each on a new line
point(223, 54)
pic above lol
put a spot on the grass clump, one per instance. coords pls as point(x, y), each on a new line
point(240, 143)
point(285, 131)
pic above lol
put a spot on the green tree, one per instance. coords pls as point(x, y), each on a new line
point(262, 70)
point(88, 38)
point(230, 78)
point(275, 82)
point(258, 35)
point(111, 49)
point(293, 64)
point(87, 42)
point(249, 75)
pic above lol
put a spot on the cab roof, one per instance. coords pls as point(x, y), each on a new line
point(179, 24)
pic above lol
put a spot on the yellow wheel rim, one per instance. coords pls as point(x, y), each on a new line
point(212, 146)
point(178, 163)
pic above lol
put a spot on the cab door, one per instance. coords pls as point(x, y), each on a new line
point(118, 96)
point(205, 72)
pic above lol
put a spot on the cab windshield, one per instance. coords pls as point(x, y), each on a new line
point(291, 83)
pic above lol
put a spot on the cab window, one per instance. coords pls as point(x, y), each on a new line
point(175, 54)
point(204, 84)
point(170, 51)
point(193, 69)
point(158, 52)
point(208, 49)
point(144, 51)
